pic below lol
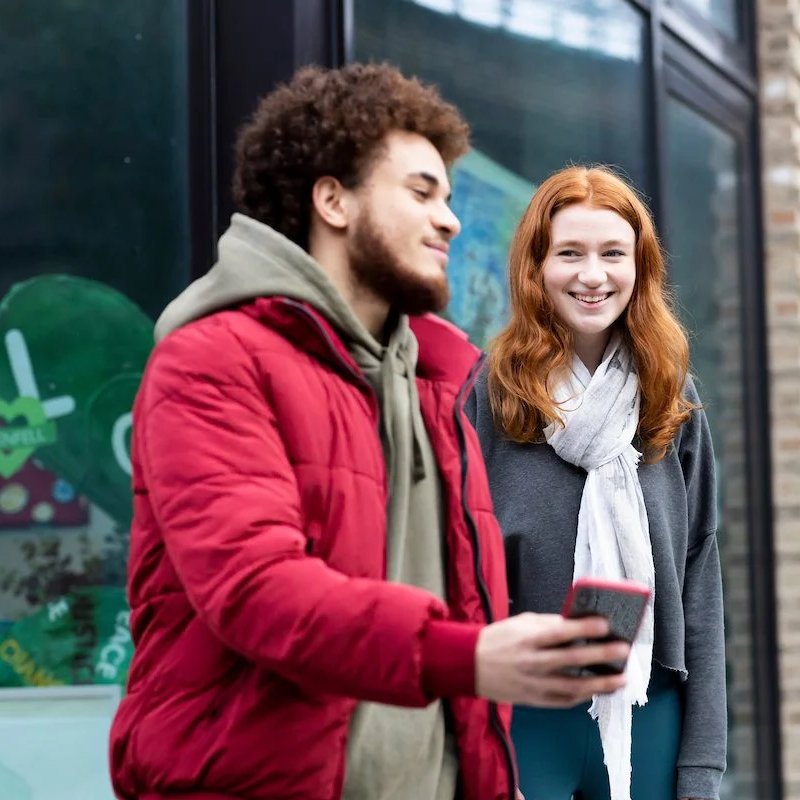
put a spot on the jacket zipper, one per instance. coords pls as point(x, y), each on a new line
point(487, 607)
point(302, 311)
point(358, 378)
point(494, 715)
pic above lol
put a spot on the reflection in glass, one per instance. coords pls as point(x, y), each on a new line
point(439, 5)
point(92, 144)
point(583, 24)
point(705, 264)
point(722, 14)
point(543, 83)
point(484, 12)
point(93, 242)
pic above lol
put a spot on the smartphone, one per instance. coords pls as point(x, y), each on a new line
point(622, 603)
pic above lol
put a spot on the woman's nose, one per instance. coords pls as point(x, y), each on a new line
point(592, 273)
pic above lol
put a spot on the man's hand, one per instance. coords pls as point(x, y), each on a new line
point(522, 660)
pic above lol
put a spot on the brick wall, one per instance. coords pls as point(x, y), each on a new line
point(779, 67)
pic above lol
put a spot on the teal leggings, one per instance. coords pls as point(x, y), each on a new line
point(560, 755)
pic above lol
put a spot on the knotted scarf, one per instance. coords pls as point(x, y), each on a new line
point(601, 414)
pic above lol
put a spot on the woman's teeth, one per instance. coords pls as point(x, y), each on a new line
point(591, 298)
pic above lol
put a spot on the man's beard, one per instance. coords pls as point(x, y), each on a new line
point(377, 269)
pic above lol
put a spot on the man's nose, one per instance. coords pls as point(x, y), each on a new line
point(446, 221)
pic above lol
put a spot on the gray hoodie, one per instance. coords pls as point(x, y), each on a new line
point(256, 261)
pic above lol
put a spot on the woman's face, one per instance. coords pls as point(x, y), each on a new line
point(589, 274)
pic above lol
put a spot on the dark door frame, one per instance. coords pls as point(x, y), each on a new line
point(239, 50)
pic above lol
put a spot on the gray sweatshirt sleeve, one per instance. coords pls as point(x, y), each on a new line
point(701, 760)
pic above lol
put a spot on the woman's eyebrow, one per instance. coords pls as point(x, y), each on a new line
point(577, 243)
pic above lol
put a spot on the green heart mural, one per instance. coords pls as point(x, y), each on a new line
point(72, 354)
point(17, 443)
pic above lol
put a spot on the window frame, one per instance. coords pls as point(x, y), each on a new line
point(687, 78)
point(735, 59)
point(687, 23)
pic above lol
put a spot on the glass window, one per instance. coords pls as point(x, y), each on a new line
point(69, 725)
point(543, 83)
point(722, 14)
point(93, 242)
point(705, 264)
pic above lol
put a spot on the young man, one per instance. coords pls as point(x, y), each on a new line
point(316, 577)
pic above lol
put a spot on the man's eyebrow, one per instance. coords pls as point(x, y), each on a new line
point(431, 180)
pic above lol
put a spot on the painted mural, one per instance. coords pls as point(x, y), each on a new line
point(489, 200)
point(72, 352)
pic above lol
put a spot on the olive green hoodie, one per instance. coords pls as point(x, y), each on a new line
point(393, 753)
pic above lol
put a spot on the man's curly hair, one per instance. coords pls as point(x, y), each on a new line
point(332, 123)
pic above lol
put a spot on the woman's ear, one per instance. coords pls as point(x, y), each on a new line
point(331, 202)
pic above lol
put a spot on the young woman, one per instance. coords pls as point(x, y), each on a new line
point(601, 464)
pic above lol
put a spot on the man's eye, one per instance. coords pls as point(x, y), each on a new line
point(422, 193)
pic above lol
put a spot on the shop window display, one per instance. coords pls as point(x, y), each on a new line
point(93, 243)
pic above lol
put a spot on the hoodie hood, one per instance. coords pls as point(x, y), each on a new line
point(256, 261)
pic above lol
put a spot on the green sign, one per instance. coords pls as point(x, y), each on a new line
point(75, 350)
point(17, 442)
point(83, 637)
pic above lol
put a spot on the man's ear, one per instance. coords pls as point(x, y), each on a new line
point(332, 202)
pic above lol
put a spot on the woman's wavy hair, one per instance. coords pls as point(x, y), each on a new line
point(536, 345)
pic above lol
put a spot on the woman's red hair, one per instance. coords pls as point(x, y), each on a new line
point(536, 345)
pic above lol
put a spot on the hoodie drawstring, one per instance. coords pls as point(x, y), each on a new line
point(417, 423)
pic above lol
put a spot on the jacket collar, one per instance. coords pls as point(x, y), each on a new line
point(445, 353)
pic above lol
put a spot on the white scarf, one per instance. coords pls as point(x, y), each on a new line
point(601, 415)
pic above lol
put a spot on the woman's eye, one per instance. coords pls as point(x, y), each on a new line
point(614, 253)
point(569, 253)
point(423, 194)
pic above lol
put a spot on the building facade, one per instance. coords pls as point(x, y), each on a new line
point(779, 52)
point(116, 129)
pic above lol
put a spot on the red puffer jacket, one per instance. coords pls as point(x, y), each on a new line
point(258, 549)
